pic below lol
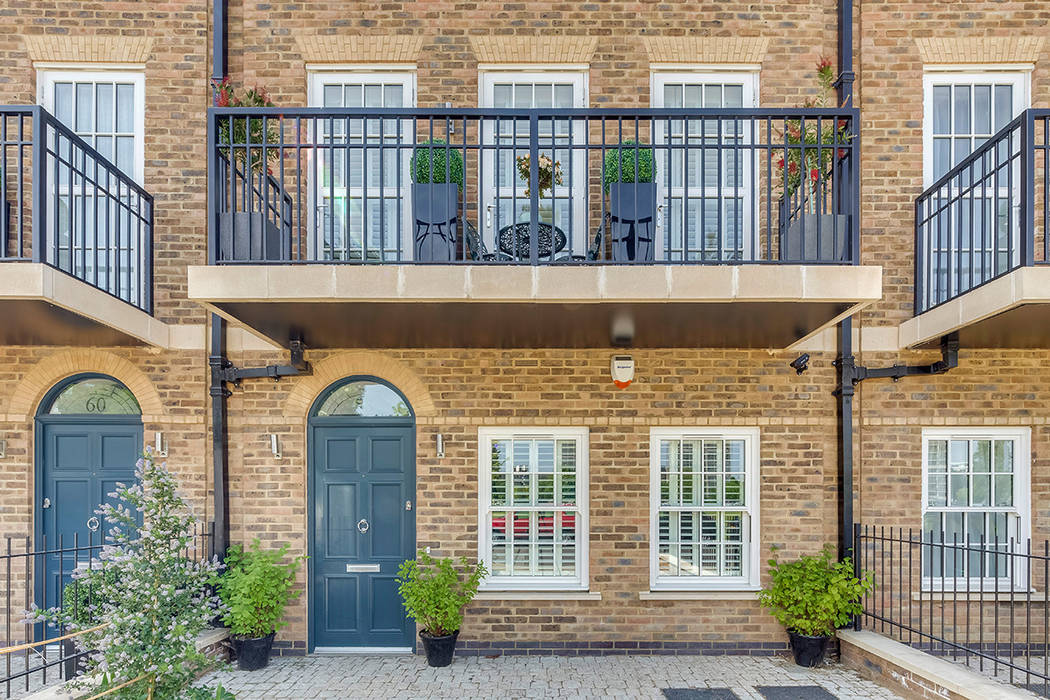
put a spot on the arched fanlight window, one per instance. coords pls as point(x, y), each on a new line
point(94, 395)
point(365, 398)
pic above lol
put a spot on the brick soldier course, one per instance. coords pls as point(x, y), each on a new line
point(455, 391)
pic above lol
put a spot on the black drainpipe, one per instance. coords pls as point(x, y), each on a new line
point(845, 331)
point(217, 354)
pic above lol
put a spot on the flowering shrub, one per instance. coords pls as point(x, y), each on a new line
point(246, 130)
point(809, 164)
point(549, 172)
point(153, 600)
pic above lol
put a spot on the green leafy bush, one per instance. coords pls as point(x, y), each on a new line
point(433, 160)
point(814, 595)
point(435, 591)
point(80, 597)
point(256, 588)
point(619, 164)
point(216, 693)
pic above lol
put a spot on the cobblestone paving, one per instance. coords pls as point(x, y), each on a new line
point(532, 677)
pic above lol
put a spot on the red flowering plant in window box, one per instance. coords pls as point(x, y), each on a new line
point(821, 142)
point(249, 133)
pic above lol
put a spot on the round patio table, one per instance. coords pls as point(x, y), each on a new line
point(514, 240)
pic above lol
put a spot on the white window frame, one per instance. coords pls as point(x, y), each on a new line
point(580, 582)
point(750, 581)
point(575, 191)
point(1020, 78)
point(317, 78)
point(1022, 437)
point(90, 73)
point(746, 75)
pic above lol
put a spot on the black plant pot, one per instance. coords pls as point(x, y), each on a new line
point(439, 650)
point(632, 218)
point(73, 666)
point(434, 208)
point(808, 650)
point(253, 653)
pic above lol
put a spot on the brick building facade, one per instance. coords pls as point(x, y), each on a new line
point(453, 392)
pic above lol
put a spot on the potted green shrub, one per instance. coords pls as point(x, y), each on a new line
point(255, 589)
point(812, 597)
point(435, 592)
point(437, 174)
point(629, 175)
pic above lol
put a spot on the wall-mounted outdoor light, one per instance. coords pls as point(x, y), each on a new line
point(440, 445)
point(160, 448)
point(3, 448)
point(275, 446)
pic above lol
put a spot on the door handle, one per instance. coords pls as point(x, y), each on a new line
point(362, 526)
point(488, 215)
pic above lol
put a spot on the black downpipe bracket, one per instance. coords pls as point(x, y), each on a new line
point(851, 374)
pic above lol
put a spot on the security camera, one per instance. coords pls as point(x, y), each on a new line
point(801, 363)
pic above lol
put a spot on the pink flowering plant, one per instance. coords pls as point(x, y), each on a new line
point(249, 133)
point(809, 163)
point(150, 598)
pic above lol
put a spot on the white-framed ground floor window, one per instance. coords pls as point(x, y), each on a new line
point(975, 497)
point(704, 515)
point(532, 508)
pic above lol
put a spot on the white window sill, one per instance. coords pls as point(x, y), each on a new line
point(698, 595)
point(962, 596)
point(538, 595)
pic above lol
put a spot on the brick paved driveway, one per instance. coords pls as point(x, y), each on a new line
point(536, 677)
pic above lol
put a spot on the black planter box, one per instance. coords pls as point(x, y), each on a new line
point(833, 244)
point(632, 212)
point(252, 653)
point(249, 235)
point(434, 208)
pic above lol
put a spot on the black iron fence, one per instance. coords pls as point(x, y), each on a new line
point(382, 185)
point(987, 216)
point(41, 575)
point(65, 204)
point(978, 599)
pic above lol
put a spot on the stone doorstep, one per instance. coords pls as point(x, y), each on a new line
point(950, 679)
point(208, 639)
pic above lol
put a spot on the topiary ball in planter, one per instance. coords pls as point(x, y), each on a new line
point(629, 176)
point(437, 171)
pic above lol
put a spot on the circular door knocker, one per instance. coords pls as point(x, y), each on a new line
point(362, 526)
point(92, 523)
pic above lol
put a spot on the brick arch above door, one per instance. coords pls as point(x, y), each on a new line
point(332, 369)
point(54, 368)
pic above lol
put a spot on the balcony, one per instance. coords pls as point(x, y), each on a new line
point(982, 254)
point(533, 228)
point(76, 240)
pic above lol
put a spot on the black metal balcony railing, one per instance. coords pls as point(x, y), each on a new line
point(64, 204)
point(978, 600)
point(358, 186)
point(987, 216)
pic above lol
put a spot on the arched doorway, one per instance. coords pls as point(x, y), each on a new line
point(88, 438)
point(361, 491)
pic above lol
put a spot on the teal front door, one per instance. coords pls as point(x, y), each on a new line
point(363, 526)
